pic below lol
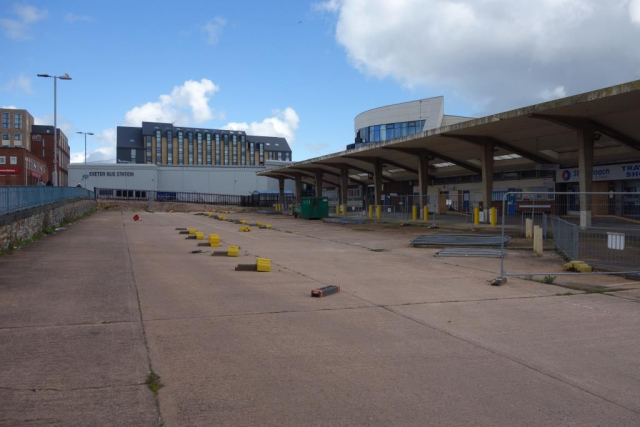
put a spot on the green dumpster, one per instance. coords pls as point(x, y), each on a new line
point(312, 208)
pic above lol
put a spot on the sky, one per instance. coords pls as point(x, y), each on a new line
point(301, 70)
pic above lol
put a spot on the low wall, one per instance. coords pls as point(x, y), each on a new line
point(23, 225)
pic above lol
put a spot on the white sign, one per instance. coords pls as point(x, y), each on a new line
point(602, 173)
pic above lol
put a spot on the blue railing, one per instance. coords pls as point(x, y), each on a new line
point(16, 198)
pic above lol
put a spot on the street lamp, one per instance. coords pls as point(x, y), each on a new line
point(55, 121)
point(86, 176)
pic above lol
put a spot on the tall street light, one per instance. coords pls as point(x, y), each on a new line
point(55, 121)
point(86, 176)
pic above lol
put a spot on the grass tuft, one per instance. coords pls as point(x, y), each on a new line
point(153, 382)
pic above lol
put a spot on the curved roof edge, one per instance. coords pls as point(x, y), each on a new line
point(399, 103)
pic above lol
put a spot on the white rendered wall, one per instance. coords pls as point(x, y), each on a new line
point(431, 110)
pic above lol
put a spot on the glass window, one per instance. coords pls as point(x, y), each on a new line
point(279, 155)
point(3, 160)
point(390, 133)
point(169, 147)
point(403, 129)
point(147, 147)
point(158, 147)
point(180, 148)
point(226, 149)
point(5, 120)
point(17, 120)
point(412, 128)
point(17, 137)
point(133, 155)
point(371, 134)
point(376, 133)
point(217, 148)
point(5, 137)
point(199, 135)
point(243, 151)
point(383, 133)
point(190, 142)
point(269, 155)
point(208, 148)
point(252, 154)
point(234, 141)
point(261, 146)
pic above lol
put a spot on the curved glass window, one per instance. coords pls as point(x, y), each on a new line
point(389, 131)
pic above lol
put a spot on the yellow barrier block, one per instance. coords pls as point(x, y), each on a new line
point(199, 235)
point(232, 251)
point(476, 216)
point(378, 211)
point(263, 264)
point(192, 232)
point(259, 224)
point(171, 211)
point(245, 228)
point(414, 213)
point(425, 213)
point(243, 221)
point(214, 240)
point(268, 226)
point(370, 211)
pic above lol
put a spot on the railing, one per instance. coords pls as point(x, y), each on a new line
point(259, 200)
point(13, 199)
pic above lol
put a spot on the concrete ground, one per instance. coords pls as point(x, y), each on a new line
point(85, 314)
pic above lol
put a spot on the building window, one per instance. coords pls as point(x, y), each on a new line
point(180, 148)
point(217, 148)
point(279, 155)
point(5, 120)
point(226, 149)
point(5, 139)
point(199, 137)
point(243, 151)
point(133, 155)
point(17, 140)
point(3, 160)
point(269, 155)
point(147, 147)
point(190, 147)
point(169, 147)
point(234, 141)
point(252, 154)
point(17, 120)
point(13, 160)
point(158, 147)
point(208, 148)
point(261, 146)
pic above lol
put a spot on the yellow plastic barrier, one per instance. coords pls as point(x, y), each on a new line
point(263, 264)
point(214, 240)
point(243, 221)
point(259, 224)
point(494, 216)
point(414, 213)
point(199, 235)
point(425, 213)
point(268, 226)
point(245, 228)
point(232, 251)
point(192, 232)
point(370, 211)
point(378, 211)
point(476, 216)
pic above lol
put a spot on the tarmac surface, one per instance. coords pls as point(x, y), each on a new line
point(411, 340)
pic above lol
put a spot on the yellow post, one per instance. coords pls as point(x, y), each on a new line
point(378, 211)
point(344, 210)
point(494, 216)
point(370, 211)
point(425, 213)
point(337, 210)
point(476, 216)
point(415, 213)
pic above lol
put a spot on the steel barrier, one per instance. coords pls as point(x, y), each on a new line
point(15, 198)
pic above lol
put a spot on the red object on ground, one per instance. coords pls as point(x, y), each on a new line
point(136, 217)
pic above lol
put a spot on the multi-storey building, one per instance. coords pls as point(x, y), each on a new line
point(20, 167)
point(166, 144)
point(15, 128)
point(42, 146)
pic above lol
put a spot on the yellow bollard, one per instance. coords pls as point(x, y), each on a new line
point(232, 251)
point(344, 210)
point(476, 216)
point(414, 213)
point(199, 235)
point(370, 211)
point(268, 226)
point(494, 216)
point(425, 213)
point(259, 224)
point(337, 210)
point(214, 240)
point(378, 211)
point(192, 232)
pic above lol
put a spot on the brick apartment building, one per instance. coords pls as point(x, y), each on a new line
point(15, 128)
point(42, 147)
point(20, 167)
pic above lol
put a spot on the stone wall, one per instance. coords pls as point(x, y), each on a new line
point(18, 226)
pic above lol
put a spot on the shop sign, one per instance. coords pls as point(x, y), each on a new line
point(9, 171)
point(602, 173)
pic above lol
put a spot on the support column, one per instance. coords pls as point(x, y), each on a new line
point(487, 179)
point(364, 189)
point(377, 181)
point(585, 174)
point(318, 184)
point(344, 187)
point(298, 188)
point(423, 180)
point(280, 192)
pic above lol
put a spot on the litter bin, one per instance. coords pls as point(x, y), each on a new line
point(314, 207)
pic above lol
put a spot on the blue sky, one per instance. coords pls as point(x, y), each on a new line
point(299, 69)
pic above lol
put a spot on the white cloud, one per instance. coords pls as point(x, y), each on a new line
point(556, 93)
point(213, 29)
point(319, 147)
point(328, 6)
point(72, 18)
point(20, 29)
point(493, 53)
point(63, 124)
point(186, 104)
point(20, 83)
point(10, 107)
point(106, 151)
point(284, 124)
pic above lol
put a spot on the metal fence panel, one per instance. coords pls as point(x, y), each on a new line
point(15, 198)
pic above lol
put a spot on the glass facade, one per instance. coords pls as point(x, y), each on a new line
point(389, 131)
point(208, 148)
point(169, 147)
point(243, 151)
point(234, 141)
point(190, 142)
point(199, 137)
point(147, 147)
point(217, 148)
point(158, 147)
point(252, 154)
point(17, 121)
point(226, 149)
point(261, 147)
point(180, 148)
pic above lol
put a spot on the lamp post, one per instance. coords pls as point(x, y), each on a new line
point(55, 121)
point(86, 176)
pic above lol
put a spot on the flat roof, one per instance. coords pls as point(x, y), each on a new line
point(537, 134)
